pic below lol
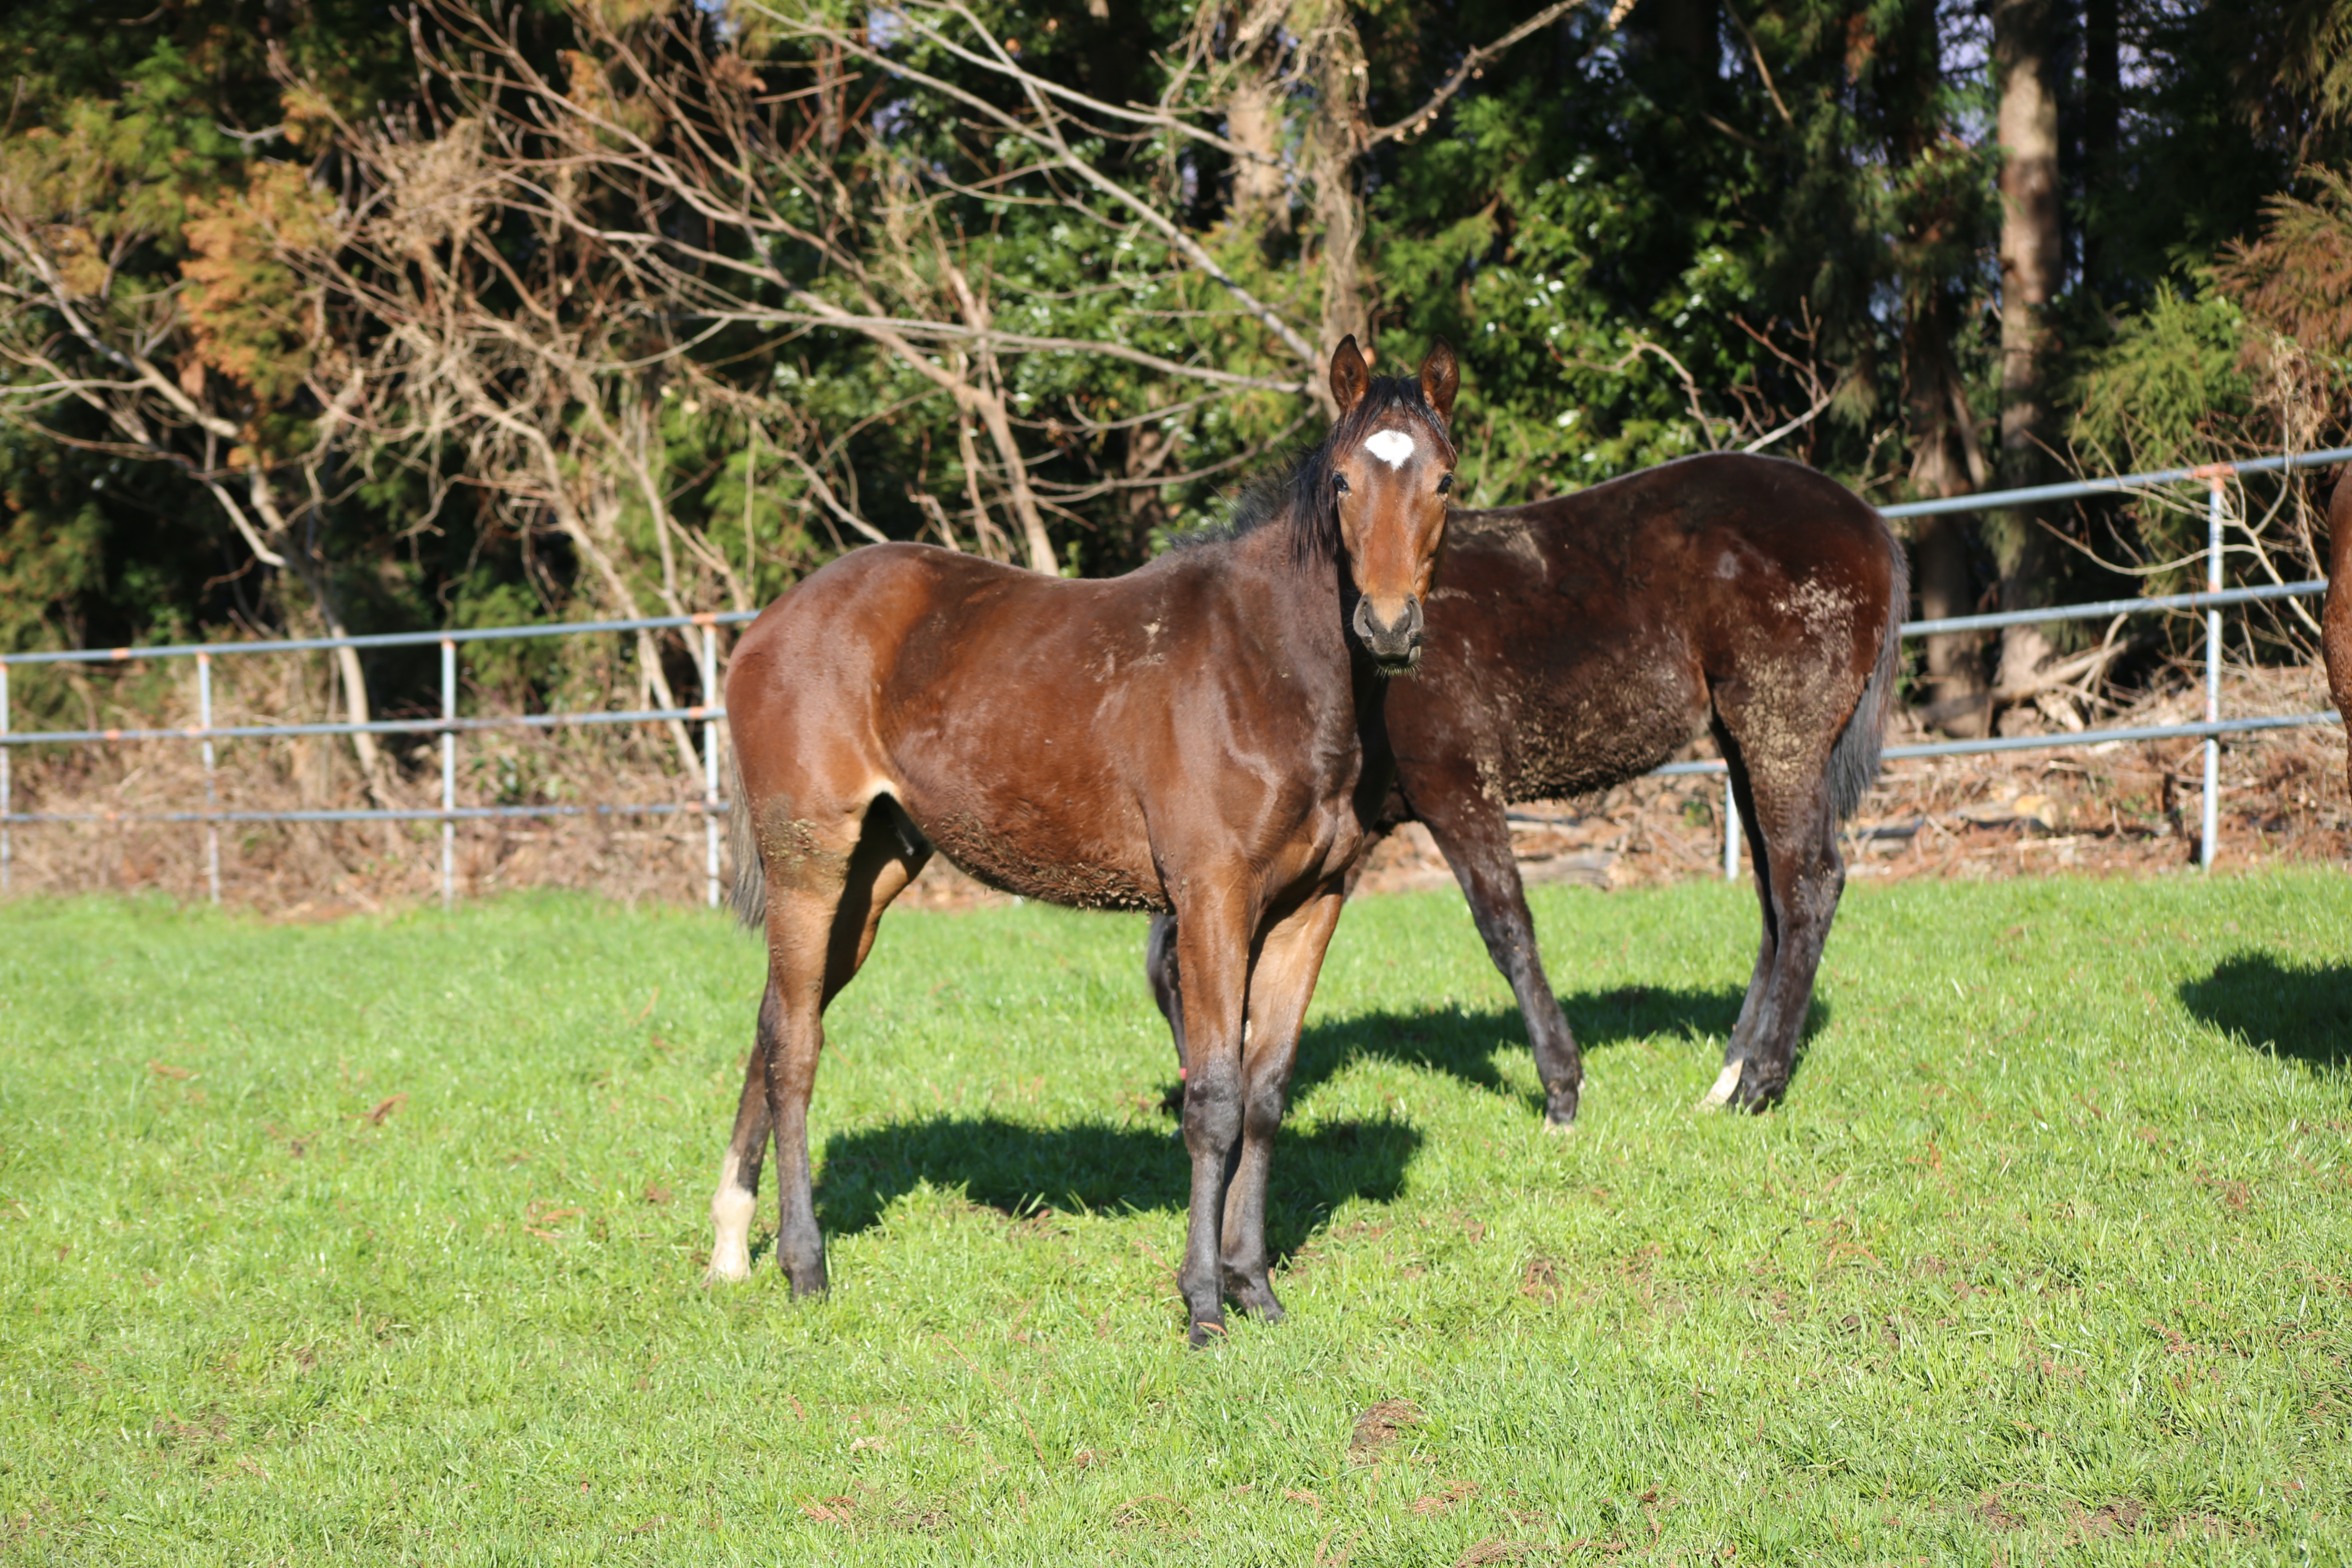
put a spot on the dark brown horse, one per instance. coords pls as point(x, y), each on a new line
point(1201, 736)
point(2336, 625)
point(1577, 642)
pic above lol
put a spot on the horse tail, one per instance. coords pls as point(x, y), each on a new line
point(1853, 760)
point(750, 895)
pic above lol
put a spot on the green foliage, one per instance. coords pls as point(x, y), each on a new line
point(2155, 395)
point(137, 144)
point(1701, 227)
point(385, 1234)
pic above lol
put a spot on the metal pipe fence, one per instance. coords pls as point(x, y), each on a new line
point(447, 725)
point(709, 714)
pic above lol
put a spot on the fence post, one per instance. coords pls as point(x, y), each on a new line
point(1730, 829)
point(212, 793)
point(7, 804)
point(2214, 499)
point(711, 758)
point(448, 773)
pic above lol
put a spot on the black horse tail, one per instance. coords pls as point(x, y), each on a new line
point(750, 896)
point(1854, 761)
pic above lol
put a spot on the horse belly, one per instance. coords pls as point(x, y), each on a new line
point(1602, 726)
point(1075, 856)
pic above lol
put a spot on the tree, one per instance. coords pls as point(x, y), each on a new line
point(613, 306)
point(2032, 266)
point(138, 273)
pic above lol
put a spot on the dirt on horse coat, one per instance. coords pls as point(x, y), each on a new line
point(1201, 736)
point(1576, 643)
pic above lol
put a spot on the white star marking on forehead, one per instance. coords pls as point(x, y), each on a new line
point(1391, 447)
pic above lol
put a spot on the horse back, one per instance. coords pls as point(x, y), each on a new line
point(1039, 732)
point(1575, 642)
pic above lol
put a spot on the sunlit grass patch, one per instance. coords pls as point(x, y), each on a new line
point(380, 1241)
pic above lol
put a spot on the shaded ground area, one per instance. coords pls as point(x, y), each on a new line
point(2298, 1009)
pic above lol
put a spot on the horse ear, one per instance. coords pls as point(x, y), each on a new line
point(1350, 376)
point(1441, 377)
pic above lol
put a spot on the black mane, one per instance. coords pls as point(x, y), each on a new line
point(1299, 491)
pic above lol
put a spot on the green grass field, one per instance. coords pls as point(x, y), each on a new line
point(380, 1242)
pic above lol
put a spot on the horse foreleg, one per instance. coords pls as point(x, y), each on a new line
point(1476, 839)
point(1162, 972)
point(1281, 984)
point(1213, 970)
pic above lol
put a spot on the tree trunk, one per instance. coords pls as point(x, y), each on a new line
point(1260, 204)
point(1335, 144)
point(2102, 116)
point(2031, 264)
point(297, 557)
point(1941, 446)
point(312, 572)
point(1946, 457)
point(1687, 29)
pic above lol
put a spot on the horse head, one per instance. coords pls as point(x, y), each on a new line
point(1390, 464)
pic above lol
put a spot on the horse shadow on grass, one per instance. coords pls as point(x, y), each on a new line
point(1468, 1047)
point(1098, 1166)
point(1101, 1165)
point(2304, 1013)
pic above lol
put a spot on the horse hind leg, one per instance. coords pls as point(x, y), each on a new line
point(1759, 858)
point(738, 1197)
point(891, 853)
point(1167, 993)
point(824, 905)
point(1800, 876)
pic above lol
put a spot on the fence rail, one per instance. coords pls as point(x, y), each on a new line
point(449, 725)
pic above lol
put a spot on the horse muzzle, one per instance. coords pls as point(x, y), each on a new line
point(1395, 644)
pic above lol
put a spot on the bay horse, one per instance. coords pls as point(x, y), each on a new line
point(1201, 736)
point(1577, 642)
point(2336, 619)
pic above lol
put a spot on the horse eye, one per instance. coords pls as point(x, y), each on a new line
point(1444, 483)
point(1339, 483)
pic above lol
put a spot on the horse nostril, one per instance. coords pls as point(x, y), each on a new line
point(1388, 638)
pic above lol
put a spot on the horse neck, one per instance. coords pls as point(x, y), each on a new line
point(1311, 600)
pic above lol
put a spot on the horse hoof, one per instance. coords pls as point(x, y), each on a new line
point(1727, 1085)
point(1560, 1114)
point(1255, 1300)
point(726, 1269)
point(1207, 1331)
